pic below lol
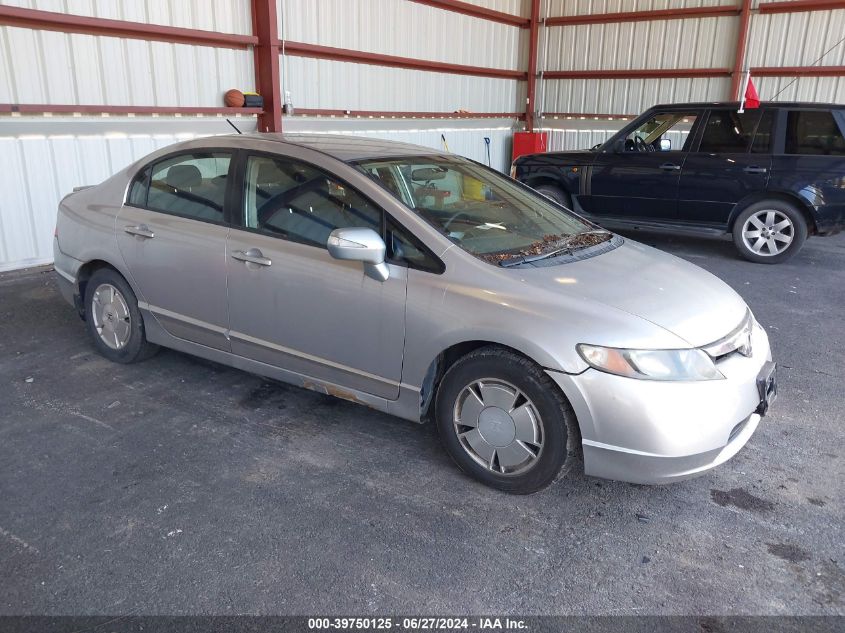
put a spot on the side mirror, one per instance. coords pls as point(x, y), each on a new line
point(360, 245)
point(665, 145)
point(618, 146)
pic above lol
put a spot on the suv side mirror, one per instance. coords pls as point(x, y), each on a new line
point(618, 146)
point(665, 145)
point(361, 245)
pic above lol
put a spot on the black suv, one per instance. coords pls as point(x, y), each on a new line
point(771, 176)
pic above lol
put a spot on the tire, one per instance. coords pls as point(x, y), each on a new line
point(115, 305)
point(556, 194)
point(542, 419)
point(755, 224)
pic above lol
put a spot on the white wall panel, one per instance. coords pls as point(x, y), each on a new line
point(224, 16)
point(38, 169)
point(514, 7)
point(820, 89)
point(797, 39)
point(586, 7)
point(628, 96)
point(318, 83)
point(62, 68)
point(696, 43)
point(406, 29)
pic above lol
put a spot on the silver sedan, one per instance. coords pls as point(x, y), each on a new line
point(424, 285)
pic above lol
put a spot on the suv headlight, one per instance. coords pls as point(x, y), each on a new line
point(651, 364)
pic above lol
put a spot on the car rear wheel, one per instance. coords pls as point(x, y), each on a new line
point(769, 232)
point(113, 319)
point(504, 421)
point(556, 194)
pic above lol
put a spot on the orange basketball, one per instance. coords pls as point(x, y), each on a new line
point(234, 99)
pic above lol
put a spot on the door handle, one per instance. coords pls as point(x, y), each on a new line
point(142, 230)
point(252, 256)
point(670, 167)
point(753, 169)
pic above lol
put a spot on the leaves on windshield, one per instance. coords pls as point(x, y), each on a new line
point(550, 244)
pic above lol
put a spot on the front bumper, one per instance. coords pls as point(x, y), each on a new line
point(652, 432)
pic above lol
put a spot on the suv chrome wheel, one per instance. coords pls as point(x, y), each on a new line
point(768, 232)
point(111, 316)
point(498, 426)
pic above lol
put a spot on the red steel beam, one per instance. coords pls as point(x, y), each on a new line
point(741, 43)
point(643, 73)
point(67, 23)
point(802, 71)
point(390, 114)
point(533, 40)
point(49, 108)
point(300, 49)
point(800, 5)
point(476, 11)
point(643, 16)
point(266, 57)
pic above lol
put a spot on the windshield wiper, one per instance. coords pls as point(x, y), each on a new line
point(565, 245)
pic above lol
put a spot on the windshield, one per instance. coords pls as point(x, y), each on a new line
point(482, 211)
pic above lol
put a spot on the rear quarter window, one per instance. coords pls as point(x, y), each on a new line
point(814, 132)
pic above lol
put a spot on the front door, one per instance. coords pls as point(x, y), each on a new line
point(172, 235)
point(639, 178)
point(294, 306)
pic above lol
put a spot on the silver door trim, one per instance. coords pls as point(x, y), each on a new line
point(308, 357)
point(143, 305)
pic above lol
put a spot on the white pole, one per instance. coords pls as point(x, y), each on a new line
point(744, 88)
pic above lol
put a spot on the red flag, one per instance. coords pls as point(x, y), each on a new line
point(752, 99)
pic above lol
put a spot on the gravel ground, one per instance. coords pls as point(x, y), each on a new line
point(179, 486)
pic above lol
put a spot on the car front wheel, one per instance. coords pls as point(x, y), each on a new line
point(769, 232)
point(504, 421)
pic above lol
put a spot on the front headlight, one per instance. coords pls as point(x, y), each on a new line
point(651, 364)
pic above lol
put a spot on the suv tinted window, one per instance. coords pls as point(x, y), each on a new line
point(728, 131)
point(190, 185)
point(301, 203)
point(763, 138)
point(813, 132)
point(651, 135)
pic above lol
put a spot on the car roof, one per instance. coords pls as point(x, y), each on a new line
point(346, 147)
point(735, 104)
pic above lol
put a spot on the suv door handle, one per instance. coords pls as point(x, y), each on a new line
point(670, 167)
point(753, 169)
point(252, 256)
point(142, 230)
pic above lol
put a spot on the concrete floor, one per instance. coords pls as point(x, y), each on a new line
point(179, 486)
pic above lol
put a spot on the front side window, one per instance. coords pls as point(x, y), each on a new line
point(483, 212)
point(729, 131)
point(190, 185)
point(301, 203)
point(663, 132)
point(813, 132)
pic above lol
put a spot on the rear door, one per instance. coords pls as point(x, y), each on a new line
point(731, 162)
point(172, 235)
point(291, 304)
point(640, 179)
point(810, 163)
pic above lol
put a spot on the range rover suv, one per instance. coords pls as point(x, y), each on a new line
point(770, 176)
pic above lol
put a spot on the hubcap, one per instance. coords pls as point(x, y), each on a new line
point(768, 232)
point(111, 316)
point(498, 426)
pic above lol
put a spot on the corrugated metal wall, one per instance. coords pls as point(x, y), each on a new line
point(417, 31)
point(42, 158)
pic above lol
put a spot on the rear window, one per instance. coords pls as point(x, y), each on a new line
point(814, 132)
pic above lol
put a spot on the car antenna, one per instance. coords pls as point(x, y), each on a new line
point(234, 126)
